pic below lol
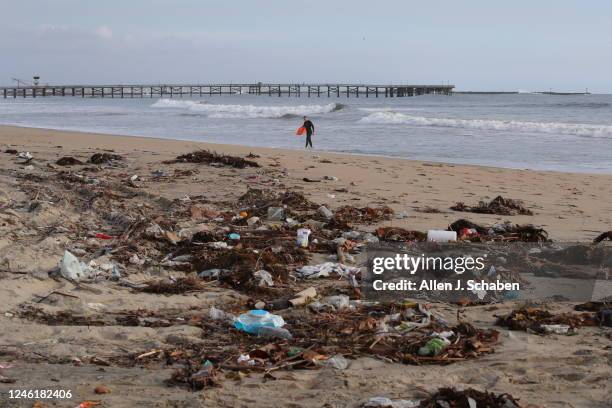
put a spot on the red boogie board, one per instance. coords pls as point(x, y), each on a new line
point(300, 131)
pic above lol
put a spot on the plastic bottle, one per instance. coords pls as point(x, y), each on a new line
point(326, 212)
point(433, 347)
point(276, 213)
point(302, 237)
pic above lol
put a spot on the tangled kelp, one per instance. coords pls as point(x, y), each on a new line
point(499, 206)
point(363, 215)
point(208, 157)
point(257, 201)
point(400, 235)
point(537, 320)
point(68, 161)
point(173, 287)
point(500, 232)
point(103, 158)
point(603, 236)
point(393, 331)
point(468, 398)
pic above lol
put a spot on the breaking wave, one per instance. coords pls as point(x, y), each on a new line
point(247, 111)
point(575, 129)
point(390, 109)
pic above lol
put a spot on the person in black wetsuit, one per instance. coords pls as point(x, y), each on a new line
point(309, 131)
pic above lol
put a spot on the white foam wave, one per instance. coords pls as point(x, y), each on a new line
point(173, 103)
point(246, 111)
point(389, 109)
point(575, 129)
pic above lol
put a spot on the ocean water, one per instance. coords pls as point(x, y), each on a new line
point(546, 132)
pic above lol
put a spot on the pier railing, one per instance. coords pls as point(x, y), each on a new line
point(173, 90)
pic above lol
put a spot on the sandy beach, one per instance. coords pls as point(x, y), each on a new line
point(46, 209)
point(570, 206)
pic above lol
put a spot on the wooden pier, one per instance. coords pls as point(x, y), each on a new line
point(173, 91)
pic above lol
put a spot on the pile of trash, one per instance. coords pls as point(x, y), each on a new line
point(499, 206)
point(333, 332)
point(468, 398)
point(364, 215)
point(240, 344)
point(507, 232)
point(602, 310)
point(402, 332)
point(96, 158)
point(449, 398)
point(395, 234)
point(469, 231)
point(539, 321)
point(240, 265)
point(104, 158)
point(326, 269)
point(196, 376)
point(202, 370)
point(213, 159)
point(74, 270)
point(258, 202)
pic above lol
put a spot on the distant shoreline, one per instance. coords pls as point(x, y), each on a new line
point(517, 93)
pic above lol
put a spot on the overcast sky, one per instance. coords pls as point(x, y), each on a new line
point(476, 45)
